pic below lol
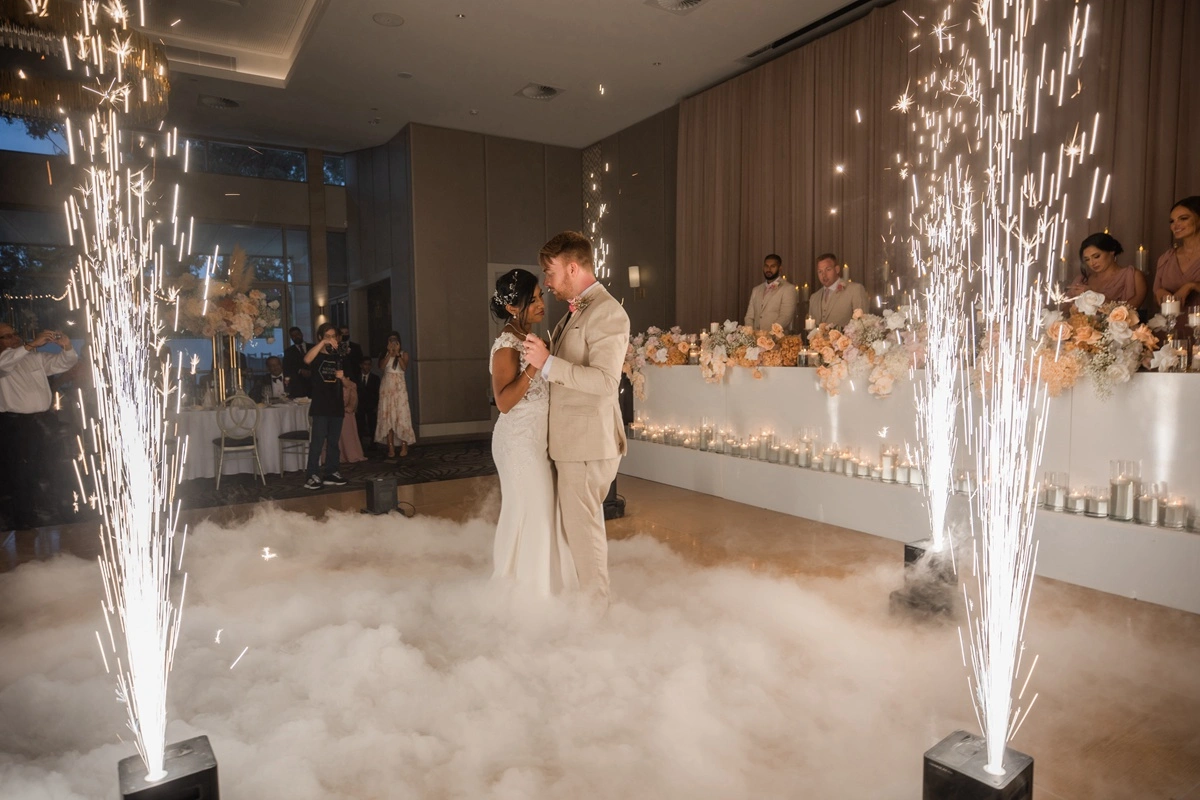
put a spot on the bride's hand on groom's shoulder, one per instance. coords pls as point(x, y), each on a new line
point(535, 350)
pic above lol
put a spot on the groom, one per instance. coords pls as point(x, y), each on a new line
point(587, 437)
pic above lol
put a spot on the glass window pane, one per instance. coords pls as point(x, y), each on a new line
point(300, 310)
point(34, 136)
point(297, 256)
point(336, 251)
point(255, 162)
point(335, 170)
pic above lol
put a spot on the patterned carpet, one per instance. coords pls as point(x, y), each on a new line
point(425, 463)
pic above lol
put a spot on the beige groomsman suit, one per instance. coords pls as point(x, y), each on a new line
point(770, 303)
point(587, 436)
point(835, 305)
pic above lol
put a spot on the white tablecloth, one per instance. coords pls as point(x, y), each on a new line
point(201, 428)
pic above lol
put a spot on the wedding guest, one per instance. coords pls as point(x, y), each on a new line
point(352, 354)
point(273, 385)
point(295, 369)
point(351, 447)
point(327, 410)
point(772, 301)
point(25, 403)
point(836, 301)
point(1178, 269)
point(368, 401)
point(395, 419)
point(1101, 273)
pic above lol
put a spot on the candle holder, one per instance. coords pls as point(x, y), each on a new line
point(1076, 502)
point(888, 456)
point(1123, 485)
point(1170, 309)
point(1054, 491)
point(1097, 502)
point(1149, 507)
point(1175, 513)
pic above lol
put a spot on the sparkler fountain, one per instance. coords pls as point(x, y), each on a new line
point(994, 104)
point(128, 468)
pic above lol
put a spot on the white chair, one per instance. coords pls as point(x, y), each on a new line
point(295, 443)
point(238, 421)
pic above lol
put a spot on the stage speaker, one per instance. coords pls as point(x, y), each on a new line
point(381, 495)
point(191, 774)
point(954, 770)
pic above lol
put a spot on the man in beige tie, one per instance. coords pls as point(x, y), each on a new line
point(836, 301)
point(773, 300)
point(583, 367)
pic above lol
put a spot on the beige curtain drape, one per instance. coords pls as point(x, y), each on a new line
point(759, 154)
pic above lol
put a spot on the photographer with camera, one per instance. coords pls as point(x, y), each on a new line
point(25, 401)
point(327, 410)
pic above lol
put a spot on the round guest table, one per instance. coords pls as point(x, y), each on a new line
point(200, 427)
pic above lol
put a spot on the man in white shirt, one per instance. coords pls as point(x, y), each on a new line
point(773, 300)
point(25, 398)
point(836, 301)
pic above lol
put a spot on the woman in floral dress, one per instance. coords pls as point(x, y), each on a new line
point(395, 419)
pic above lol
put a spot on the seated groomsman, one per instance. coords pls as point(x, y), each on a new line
point(836, 301)
point(773, 300)
point(273, 385)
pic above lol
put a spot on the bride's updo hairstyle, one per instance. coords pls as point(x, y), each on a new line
point(514, 288)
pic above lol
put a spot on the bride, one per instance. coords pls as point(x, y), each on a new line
point(530, 546)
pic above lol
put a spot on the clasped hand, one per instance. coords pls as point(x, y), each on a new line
point(536, 352)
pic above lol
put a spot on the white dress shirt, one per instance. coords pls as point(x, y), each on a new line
point(23, 385)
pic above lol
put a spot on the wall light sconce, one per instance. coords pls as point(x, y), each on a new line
point(322, 311)
point(635, 281)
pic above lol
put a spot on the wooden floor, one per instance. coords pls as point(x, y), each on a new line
point(1112, 728)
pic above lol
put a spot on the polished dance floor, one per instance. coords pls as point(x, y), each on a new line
point(747, 654)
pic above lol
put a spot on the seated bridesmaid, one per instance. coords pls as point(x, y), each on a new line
point(1101, 273)
point(1178, 270)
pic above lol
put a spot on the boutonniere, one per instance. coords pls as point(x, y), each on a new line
point(840, 287)
point(578, 304)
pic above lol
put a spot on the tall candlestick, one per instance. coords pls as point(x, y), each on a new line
point(1140, 259)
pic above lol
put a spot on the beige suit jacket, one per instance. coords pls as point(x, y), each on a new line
point(837, 308)
point(767, 308)
point(585, 377)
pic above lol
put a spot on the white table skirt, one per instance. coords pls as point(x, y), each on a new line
point(200, 427)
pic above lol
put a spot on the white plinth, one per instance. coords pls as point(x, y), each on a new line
point(1144, 419)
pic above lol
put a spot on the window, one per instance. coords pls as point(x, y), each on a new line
point(247, 161)
point(335, 170)
point(33, 136)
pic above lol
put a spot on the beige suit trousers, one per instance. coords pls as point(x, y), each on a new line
point(582, 486)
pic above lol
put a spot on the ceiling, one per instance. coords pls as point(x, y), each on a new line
point(323, 74)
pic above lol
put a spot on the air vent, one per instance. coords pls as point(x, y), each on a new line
point(539, 91)
point(388, 20)
point(677, 6)
point(198, 58)
point(220, 103)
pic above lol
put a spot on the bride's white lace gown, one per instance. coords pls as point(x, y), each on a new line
point(530, 546)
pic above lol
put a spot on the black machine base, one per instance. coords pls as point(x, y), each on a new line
point(614, 504)
point(954, 770)
point(381, 495)
point(191, 774)
point(929, 583)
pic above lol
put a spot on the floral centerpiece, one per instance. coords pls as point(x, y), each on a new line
point(876, 349)
point(1103, 339)
point(232, 307)
point(735, 345)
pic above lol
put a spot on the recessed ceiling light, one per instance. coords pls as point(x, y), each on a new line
point(405, 75)
point(474, 112)
point(375, 121)
point(461, 16)
point(656, 64)
point(388, 20)
point(539, 91)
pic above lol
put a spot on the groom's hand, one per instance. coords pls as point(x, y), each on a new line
point(535, 350)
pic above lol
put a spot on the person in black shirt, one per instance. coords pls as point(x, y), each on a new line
point(294, 368)
point(352, 354)
point(327, 409)
point(368, 401)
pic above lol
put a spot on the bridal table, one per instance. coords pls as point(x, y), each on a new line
point(1151, 419)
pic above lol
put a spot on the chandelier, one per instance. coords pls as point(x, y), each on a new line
point(73, 57)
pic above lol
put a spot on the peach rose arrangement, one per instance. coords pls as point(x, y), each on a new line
point(1104, 340)
point(232, 307)
point(873, 350)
